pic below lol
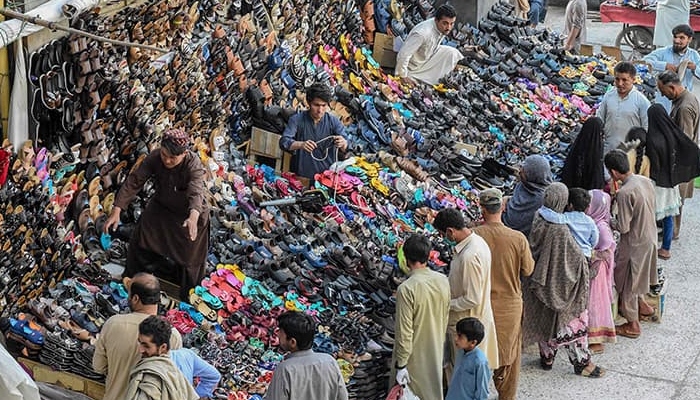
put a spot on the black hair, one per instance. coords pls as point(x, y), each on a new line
point(417, 248)
point(172, 147)
point(492, 208)
point(579, 199)
point(617, 160)
point(318, 91)
point(684, 29)
point(626, 67)
point(148, 292)
point(299, 326)
point(668, 78)
point(638, 133)
point(158, 329)
point(445, 11)
point(471, 328)
point(449, 218)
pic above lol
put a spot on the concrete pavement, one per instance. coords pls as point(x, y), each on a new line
point(663, 363)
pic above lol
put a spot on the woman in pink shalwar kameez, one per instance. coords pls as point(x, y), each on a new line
point(601, 325)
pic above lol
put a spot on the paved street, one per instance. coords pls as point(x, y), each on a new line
point(664, 363)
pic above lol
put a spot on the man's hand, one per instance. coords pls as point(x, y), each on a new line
point(402, 377)
point(408, 81)
point(691, 65)
point(191, 224)
point(671, 67)
point(309, 146)
point(113, 220)
point(340, 142)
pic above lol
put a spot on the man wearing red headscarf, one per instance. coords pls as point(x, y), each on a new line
point(172, 235)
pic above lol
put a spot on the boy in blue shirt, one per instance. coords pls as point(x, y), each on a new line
point(582, 227)
point(470, 380)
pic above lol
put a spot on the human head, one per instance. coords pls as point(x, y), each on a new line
point(318, 96)
point(173, 146)
point(669, 84)
point(682, 36)
point(637, 133)
point(617, 163)
point(296, 331)
point(154, 336)
point(599, 209)
point(625, 72)
point(470, 332)
point(445, 17)
point(491, 201)
point(416, 249)
point(448, 222)
point(144, 290)
point(556, 197)
point(579, 199)
point(536, 169)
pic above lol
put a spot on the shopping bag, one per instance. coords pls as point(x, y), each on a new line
point(399, 392)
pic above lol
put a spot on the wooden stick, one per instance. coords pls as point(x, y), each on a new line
point(54, 26)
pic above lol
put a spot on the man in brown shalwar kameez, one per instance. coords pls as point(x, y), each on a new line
point(175, 224)
point(635, 259)
point(685, 112)
point(510, 259)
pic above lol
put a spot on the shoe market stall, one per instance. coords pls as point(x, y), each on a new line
point(98, 109)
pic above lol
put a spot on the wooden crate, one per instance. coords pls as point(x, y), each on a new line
point(68, 380)
point(266, 144)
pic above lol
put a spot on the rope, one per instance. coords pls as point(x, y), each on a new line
point(335, 174)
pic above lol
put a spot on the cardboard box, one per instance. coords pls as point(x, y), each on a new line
point(383, 51)
point(68, 380)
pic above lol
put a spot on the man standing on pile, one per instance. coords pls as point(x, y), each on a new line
point(675, 58)
point(422, 57)
point(422, 302)
point(511, 260)
point(470, 283)
point(313, 136)
point(685, 112)
point(635, 259)
point(623, 108)
point(117, 349)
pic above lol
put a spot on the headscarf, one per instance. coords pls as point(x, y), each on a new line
point(583, 166)
point(638, 133)
point(599, 210)
point(527, 196)
point(559, 282)
point(552, 204)
point(673, 156)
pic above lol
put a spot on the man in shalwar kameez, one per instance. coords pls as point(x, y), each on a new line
point(470, 284)
point(636, 253)
point(422, 56)
point(422, 304)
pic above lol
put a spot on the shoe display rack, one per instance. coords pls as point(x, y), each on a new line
point(100, 108)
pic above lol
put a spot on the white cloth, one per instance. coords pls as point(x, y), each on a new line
point(422, 56)
point(668, 202)
point(15, 384)
point(17, 121)
point(669, 14)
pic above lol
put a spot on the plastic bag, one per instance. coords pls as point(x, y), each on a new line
point(399, 392)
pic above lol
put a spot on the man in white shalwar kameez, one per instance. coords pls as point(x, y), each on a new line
point(422, 57)
point(669, 13)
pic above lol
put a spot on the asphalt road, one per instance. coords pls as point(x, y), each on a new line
point(664, 362)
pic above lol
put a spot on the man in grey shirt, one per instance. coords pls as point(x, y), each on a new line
point(575, 24)
point(622, 108)
point(304, 374)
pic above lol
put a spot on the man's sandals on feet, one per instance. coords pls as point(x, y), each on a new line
point(627, 331)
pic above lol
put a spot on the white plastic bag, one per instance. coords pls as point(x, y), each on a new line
point(400, 392)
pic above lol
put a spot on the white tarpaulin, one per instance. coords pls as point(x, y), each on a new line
point(18, 120)
point(51, 11)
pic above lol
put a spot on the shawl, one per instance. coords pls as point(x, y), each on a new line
point(599, 210)
point(527, 196)
point(558, 287)
point(157, 378)
point(673, 156)
point(583, 166)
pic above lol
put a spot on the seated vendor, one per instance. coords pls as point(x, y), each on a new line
point(313, 135)
point(422, 57)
